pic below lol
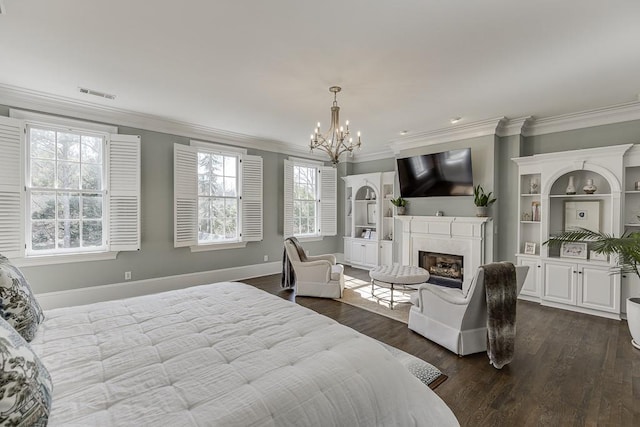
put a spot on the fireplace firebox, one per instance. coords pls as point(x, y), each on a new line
point(444, 269)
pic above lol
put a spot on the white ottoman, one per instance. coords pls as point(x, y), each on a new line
point(395, 275)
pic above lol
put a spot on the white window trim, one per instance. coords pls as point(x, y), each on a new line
point(29, 253)
point(298, 161)
point(47, 120)
point(203, 146)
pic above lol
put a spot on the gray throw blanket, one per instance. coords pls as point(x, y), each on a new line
point(501, 289)
point(288, 279)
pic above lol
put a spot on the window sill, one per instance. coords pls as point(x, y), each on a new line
point(217, 246)
point(33, 261)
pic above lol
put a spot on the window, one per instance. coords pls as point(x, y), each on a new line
point(65, 191)
point(68, 189)
point(217, 196)
point(305, 201)
point(309, 199)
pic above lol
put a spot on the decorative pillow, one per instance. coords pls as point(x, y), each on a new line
point(25, 384)
point(18, 306)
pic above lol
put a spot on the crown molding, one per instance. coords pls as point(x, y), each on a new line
point(368, 157)
point(518, 126)
point(61, 106)
point(455, 133)
point(597, 117)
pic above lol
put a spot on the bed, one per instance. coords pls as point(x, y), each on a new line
point(225, 354)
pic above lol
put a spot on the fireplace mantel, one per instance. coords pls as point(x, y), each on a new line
point(471, 237)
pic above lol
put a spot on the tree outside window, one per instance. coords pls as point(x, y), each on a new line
point(305, 200)
point(217, 198)
point(65, 191)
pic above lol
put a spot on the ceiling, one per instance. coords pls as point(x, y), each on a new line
point(263, 68)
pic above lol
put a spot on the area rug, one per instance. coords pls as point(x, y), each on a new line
point(357, 292)
point(425, 372)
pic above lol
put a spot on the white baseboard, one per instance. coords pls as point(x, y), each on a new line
point(135, 288)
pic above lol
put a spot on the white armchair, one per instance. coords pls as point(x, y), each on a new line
point(317, 276)
point(456, 318)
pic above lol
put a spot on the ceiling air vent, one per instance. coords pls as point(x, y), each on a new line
point(95, 92)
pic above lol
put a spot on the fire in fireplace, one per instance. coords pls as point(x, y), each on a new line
point(444, 269)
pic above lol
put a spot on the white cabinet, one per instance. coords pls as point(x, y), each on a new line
point(559, 283)
point(587, 287)
point(548, 206)
point(369, 219)
point(531, 288)
point(364, 253)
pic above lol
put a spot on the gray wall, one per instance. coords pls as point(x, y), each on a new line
point(158, 257)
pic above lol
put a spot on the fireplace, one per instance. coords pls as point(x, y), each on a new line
point(444, 269)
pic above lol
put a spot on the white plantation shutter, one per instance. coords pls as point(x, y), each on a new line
point(124, 193)
point(11, 234)
point(251, 198)
point(328, 201)
point(288, 199)
point(185, 196)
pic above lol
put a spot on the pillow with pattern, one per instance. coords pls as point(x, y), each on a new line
point(18, 306)
point(25, 384)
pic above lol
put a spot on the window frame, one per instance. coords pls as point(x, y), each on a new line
point(116, 191)
point(237, 197)
point(316, 200)
point(29, 189)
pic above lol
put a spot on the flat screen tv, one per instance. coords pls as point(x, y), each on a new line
point(437, 174)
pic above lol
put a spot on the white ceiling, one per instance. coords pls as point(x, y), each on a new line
point(263, 68)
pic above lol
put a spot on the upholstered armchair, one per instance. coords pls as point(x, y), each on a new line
point(456, 318)
point(316, 276)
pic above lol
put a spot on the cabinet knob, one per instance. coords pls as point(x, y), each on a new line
point(624, 275)
point(579, 272)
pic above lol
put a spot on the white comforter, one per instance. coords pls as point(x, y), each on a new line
point(225, 354)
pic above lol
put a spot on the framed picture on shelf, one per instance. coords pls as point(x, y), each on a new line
point(582, 215)
point(530, 248)
point(371, 213)
point(594, 256)
point(573, 250)
point(367, 234)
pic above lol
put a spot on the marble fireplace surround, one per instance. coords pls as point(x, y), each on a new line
point(469, 237)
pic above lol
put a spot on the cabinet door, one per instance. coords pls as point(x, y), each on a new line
point(371, 254)
point(386, 253)
point(531, 285)
point(357, 252)
point(599, 289)
point(560, 283)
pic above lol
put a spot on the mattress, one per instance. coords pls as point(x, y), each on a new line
point(225, 354)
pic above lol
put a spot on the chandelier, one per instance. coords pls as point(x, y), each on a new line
point(333, 142)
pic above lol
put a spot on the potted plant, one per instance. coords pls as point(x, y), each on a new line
point(626, 249)
point(400, 204)
point(482, 200)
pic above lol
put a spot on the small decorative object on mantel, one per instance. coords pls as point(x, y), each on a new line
point(571, 188)
point(400, 204)
point(589, 188)
point(482, 201)
point(439, 213)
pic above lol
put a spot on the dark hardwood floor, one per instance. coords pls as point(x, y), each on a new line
point(569, 369)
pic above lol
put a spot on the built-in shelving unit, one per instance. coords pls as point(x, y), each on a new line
point(369, 223)
point(573, 278)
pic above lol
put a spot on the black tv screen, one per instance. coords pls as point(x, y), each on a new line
point(437, 174)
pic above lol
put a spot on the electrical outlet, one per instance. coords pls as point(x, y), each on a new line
point(266, 258)
point(127, 275)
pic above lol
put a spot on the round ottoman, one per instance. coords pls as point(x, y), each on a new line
point(396, 275)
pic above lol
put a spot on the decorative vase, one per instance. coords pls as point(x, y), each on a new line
point(482, 211)
point(534, 186)
point(571, 188)
point(589, 188)
point(367, 196)
point(400, 210)
point(633, 320)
